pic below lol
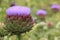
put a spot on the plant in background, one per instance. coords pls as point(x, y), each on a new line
point(13, 4)
point(49, 24)
point(38, 31)
point(55, 8)
point(41, 14)
point(18, 20)
point(50, 34)
point(58, 25)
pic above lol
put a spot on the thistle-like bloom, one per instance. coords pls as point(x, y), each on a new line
point(55, 7)
point(19, 19)
point(13, 10)
point(41, 13)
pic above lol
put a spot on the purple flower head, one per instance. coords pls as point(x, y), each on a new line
point(39, 12)
point(24, 11)
point(13, 10)
point(18, 10)
point(55, 6)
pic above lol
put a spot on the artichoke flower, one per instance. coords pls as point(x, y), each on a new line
point(55, 8)
point(41, 14)
point(18, 19)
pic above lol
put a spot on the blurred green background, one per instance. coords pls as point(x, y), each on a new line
point(34, 5)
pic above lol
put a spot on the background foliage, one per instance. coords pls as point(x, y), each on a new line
point(34, 5)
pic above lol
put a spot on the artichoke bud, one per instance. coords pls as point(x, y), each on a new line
point(19, 19)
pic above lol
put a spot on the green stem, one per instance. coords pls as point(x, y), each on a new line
point(19, 36)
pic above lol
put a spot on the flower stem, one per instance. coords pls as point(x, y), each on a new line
point(19, 36)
